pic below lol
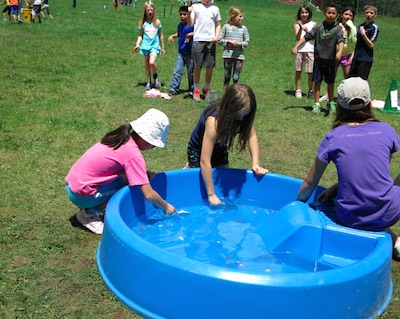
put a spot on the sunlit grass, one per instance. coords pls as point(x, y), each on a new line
point(68, 81)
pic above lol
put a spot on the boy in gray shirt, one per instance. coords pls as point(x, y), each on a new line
point(327, 36)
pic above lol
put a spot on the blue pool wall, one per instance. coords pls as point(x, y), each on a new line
point(157, 284)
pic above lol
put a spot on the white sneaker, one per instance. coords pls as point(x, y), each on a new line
point(323, 98)
point(93, 221)
point(298, 94)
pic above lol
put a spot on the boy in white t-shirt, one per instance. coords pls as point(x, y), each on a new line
point(206, 20)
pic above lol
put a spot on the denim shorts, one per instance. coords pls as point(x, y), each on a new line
point(103, 194)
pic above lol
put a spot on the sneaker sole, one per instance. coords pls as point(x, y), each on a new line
point(80, 218)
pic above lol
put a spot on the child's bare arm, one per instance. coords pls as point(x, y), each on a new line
point(366, 39)
point(161, 35)
point(138, 41)
point(188, 37)
point(189, 19)
point(254, 151)
point(172, 36)
point(301, 41)
point(217, 31)
point(153, 197)
point(297, 30)
point(339, 52)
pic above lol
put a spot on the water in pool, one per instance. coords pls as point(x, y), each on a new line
point(229, 236)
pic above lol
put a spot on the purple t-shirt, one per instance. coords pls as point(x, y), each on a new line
point(102, 164)
point(367, 197)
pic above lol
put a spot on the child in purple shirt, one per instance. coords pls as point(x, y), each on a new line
point(361, 148)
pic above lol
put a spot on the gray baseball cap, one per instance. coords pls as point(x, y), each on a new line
point(353, 94)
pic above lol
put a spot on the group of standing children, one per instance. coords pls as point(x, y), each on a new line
point(198, 32)
point(332, 42)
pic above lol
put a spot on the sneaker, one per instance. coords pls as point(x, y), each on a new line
point(316, 109)
point(323, 98)
point(171, 92)
point(310, 93)
point(157, 83)
point(396, 252)
point(206, 92)
point(332, 107)
point(196, 95)
point(298, 94)
point(93, 222)
point(148, 86)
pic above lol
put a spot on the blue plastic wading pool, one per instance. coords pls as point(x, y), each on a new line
point(262, 255)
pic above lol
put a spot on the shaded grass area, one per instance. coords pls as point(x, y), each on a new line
point(68, 81)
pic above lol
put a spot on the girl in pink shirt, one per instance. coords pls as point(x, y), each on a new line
point(114, 162)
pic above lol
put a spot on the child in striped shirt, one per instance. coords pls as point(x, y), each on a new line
point(234, 37)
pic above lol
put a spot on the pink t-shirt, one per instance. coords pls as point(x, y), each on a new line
point(102, 164)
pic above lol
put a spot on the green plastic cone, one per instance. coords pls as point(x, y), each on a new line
point(388, 102)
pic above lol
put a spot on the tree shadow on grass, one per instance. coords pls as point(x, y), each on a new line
point(143, 85)
point(292, 93)
point(324, 112)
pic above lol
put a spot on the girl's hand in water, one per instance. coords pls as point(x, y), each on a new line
point(170, 209)
point(214, 200)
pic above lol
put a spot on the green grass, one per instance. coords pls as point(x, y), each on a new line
point(68, 81)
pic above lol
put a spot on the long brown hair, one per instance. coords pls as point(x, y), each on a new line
point(236, 98)
point(345, 116)
point(118, 137)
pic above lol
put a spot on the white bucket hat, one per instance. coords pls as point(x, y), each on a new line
point(353, 94)
point(153, 127)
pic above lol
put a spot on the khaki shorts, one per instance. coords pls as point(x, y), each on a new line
point(203, 54)
point(306, 59)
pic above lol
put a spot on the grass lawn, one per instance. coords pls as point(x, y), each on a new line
point(68, 81)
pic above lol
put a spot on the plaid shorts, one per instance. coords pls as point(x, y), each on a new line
point(306, 59)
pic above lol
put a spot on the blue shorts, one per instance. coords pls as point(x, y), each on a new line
point(14, 9)
point(104, 193)
point(150, 52)
point(324, 72)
